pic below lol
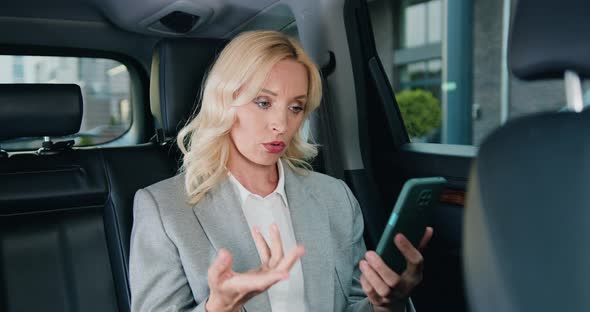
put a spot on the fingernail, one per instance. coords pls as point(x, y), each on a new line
point(301, 250)
point(256, 229)
point(362, 265)
point(222, 256)
point(370, 256)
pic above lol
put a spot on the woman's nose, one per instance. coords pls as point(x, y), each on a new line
point(279, 121)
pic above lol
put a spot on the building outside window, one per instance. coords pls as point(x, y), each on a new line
point(446, 62)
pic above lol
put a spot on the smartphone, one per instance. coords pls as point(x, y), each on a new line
point(410, 216)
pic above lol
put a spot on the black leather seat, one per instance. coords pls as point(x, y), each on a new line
point(66, 218)
point(527, 218)
point(53, 251)
point(127, 169)
point(178, 67)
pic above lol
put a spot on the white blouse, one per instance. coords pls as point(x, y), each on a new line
point(287, 295)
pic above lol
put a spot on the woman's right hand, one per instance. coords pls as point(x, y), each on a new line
point(230, 290)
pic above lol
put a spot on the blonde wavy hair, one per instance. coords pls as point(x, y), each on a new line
point(205, 141)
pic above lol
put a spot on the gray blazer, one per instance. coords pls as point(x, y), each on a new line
point(173, 243)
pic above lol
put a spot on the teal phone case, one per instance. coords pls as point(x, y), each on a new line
point(410, 216)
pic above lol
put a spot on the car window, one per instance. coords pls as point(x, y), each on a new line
point(446, 62)
point(105, 85)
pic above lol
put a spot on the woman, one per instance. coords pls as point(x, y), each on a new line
point(231, 230)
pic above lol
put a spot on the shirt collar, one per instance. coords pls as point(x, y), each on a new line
point(280, 189)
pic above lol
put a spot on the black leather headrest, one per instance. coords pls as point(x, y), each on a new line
point(35, 110)
point(178, 69)
point(527, 220)
point(548, 37)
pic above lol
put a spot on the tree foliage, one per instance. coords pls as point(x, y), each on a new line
point(420, 110)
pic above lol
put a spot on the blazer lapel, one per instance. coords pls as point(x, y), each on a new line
point(311, 225)
point(221, 217)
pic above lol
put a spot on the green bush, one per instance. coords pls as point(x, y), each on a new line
point(420, 110)
point(84, 141)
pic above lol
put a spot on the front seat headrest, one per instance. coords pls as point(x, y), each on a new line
point(178, 69)
point(37, 110)
point(527, 220)
point(548, 37)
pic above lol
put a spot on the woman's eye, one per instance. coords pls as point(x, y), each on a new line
point(262, 103)
point(296, 109)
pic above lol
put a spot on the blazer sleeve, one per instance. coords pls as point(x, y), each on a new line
point(358, 299)
point(156, 276)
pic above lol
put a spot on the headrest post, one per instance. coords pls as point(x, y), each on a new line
point(160, 137)
point(573, 91)
point(46, 145)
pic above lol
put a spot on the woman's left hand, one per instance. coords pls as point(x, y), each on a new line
point(387, 290)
